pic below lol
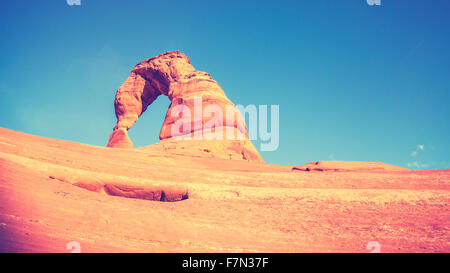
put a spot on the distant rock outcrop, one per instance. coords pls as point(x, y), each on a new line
point(347, 166)
point(172, 75)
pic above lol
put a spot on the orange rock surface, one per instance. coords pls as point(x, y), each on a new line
point(342, 166)
point(54, 192)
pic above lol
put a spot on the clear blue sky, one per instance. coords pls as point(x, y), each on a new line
point(353, 81)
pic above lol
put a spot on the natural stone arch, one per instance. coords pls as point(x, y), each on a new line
point(171, 74)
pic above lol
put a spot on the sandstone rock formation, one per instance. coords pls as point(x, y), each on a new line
point(231, 207)
point(342, 166)
point(172, 75)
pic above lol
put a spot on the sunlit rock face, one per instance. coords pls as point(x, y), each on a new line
point(54, 192)
point(200, 121)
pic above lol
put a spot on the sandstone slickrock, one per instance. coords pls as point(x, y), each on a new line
point(347, 166)
point(171, 74)
point(231, 207)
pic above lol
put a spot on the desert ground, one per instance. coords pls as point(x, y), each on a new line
point(53, 192)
